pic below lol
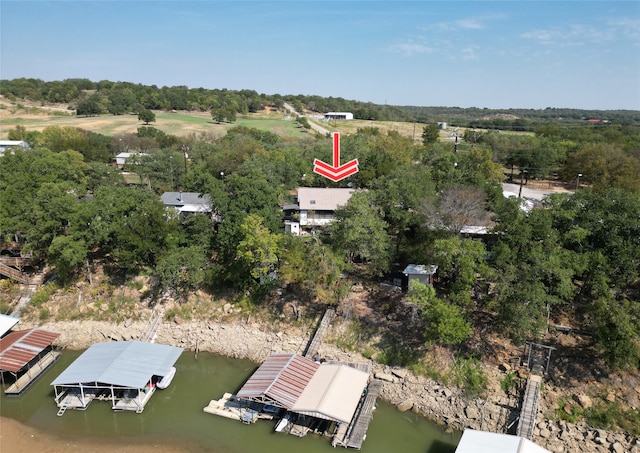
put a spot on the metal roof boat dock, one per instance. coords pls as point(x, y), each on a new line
point(26, 354)
point(330, 398)
point(124, 373)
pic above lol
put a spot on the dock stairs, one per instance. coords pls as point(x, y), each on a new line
point(62, 410)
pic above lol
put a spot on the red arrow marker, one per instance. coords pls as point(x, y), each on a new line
point(335, 172)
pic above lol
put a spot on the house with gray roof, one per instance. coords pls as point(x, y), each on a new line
point(186, 203)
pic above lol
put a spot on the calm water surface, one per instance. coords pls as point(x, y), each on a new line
point(175, 416)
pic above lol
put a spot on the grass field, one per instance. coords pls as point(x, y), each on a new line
point(35, 117)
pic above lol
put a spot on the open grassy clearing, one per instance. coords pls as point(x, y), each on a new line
point(175, 123)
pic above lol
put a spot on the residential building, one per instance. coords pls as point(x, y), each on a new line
point(314, 207)
point(186, 203)
point(6, 144)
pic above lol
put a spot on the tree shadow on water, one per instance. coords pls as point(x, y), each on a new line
point(439, 446)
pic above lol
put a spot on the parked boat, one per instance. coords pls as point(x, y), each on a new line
point(166, 380)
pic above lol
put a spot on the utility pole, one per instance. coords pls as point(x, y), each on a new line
point(521, 175)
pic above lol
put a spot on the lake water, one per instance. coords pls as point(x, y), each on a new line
point(175, 416)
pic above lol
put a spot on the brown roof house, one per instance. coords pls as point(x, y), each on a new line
point(313, 207)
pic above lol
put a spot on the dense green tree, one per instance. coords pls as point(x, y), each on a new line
point(430, 134)
point(310, 269)
point(446, 323)
point(38, 190)
point(258, 248)
point(603, 165)
point(182, 270)
point(128, 224)
point(89, 106)
point(361, 233)
point(400, 196)
point(21, 133)
point(460, 263)
point(147, 116)
point(67, 254)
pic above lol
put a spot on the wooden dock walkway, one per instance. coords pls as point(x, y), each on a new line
point(33, 373)
point(352, 435)
point(149, 333)
point(314, 344)
point(529, 410)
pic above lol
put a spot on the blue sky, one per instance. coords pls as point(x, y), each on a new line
point(496, 54)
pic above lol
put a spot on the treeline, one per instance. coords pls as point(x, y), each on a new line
point(574, 257)
point(91, 98)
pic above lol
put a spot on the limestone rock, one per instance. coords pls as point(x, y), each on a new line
point(385, 377)
point(405, 406)
point(617, 448)
point(472, 412)
point(399, 372)
point(583, 400)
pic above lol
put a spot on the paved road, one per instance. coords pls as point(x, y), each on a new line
point(532, 194)
point(319, 129)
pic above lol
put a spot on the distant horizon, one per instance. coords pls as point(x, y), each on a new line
point(330, 96)
point(535, 55)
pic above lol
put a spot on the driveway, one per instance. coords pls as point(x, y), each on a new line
point(532, 194)
point(316, 127)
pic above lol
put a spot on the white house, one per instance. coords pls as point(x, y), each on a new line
point(314, 206)
point(6, 144)
point(121, 158)
point(338, 116)
point(186, 203)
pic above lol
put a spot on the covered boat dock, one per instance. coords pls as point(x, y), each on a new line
point(125, 373)
point(326, 398)
point(26, 355)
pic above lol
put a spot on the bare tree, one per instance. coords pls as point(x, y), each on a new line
point(457, 207)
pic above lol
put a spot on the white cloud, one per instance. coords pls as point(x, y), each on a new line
point(410, 48)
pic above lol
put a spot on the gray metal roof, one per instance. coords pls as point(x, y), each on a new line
point(420, 269)
point(122, 363)
point(185, 198)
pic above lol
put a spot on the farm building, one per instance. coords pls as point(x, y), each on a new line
point(338, 116)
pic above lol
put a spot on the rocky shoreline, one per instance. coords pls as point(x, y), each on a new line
point(444, 405)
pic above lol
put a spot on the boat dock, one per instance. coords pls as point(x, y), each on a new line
point(354, 434)
point(33, 373)
point(134, 400)
point(529, 410)
point(230, 407)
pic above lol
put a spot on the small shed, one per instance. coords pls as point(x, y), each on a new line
point(420, 272)
point(473, 441)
